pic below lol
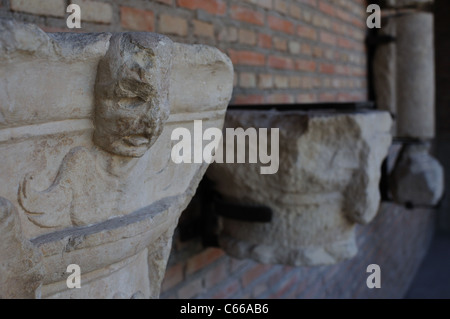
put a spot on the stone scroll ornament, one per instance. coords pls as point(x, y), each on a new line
point(85, 142)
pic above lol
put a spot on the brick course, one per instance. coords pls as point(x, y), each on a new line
point(95, 11)
point(56, 8)
point(136, 19)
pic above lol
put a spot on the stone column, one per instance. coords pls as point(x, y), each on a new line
point(404, 71)
point(405, 85)
point(86, 175)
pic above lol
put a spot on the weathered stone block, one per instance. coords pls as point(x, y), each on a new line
point(329, 171)
point(418, 178)
point(85, 138)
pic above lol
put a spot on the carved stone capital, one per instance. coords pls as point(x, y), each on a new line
point(327, 181)
point(85, 138)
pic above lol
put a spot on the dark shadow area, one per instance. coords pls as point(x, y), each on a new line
point(442, 45)
point(432, 280)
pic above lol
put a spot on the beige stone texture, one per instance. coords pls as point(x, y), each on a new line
point(85, 138)
point(417, 178)
point(404, 74)
point(329, 171)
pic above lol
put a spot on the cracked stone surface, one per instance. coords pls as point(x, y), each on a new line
point(329, 171)
point(417, 178)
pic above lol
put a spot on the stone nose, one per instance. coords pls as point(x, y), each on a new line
point(143, 123)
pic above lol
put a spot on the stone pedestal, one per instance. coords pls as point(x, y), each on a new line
point(86, 175)
point(327, 181)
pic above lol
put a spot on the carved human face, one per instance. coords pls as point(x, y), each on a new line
point(132, 93)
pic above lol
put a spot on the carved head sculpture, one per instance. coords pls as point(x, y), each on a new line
point(131, 93)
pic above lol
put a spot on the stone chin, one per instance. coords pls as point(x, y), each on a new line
point(131, 146)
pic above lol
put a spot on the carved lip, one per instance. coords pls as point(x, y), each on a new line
point(136, 140)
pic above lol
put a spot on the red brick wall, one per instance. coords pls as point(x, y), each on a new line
point(283, 51)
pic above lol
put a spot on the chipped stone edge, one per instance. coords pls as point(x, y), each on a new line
point(325, 255)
